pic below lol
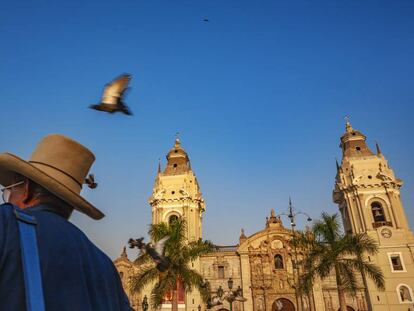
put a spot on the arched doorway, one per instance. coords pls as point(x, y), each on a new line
point(283, 304)
point(348, 308)
point(222, 309)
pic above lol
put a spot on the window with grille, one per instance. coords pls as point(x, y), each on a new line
point(220, 272)
point(396, 263)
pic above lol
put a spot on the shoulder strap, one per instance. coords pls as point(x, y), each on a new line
point(30, 259)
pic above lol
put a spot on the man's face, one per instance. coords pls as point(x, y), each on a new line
point(18, 195)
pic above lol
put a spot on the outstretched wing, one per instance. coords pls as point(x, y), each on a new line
point(114, 90)
point(159, 246)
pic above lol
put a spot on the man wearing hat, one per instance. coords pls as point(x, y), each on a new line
point(75, 274)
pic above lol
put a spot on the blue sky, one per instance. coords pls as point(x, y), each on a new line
point(258, 94)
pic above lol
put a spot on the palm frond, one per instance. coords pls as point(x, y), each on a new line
point(375, 274)
point(158, 292)
point(142, 260)
point(361, 243)
point(145, 277)
point(348, 276)
point(192, 278)
point(180, 253)
point(328, 250)
point(369, 269)
point(198, 248)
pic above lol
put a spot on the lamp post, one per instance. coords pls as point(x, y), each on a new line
point(231, 294)
point(145, 303)
point(296, 276)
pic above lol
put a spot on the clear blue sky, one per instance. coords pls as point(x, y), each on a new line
point(258, 94)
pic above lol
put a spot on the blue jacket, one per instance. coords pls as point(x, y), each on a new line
point(76, 274)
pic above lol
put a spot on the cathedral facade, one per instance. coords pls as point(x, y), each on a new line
point(262, 266)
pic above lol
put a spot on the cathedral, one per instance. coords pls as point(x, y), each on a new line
point(262, 266)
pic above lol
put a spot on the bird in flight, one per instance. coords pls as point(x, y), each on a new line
point(90, 181)
point(206, 20)
point(113, 95)
point(154, 251)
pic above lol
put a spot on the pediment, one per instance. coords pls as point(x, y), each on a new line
point(265, 240)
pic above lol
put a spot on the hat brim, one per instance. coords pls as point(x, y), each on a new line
point(11, 164)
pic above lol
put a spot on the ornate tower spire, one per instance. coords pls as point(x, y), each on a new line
point(176, 193)
point(178, 161)
point(353, 142)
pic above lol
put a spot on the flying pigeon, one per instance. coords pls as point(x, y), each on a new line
point(90, 181)
point(154, 251)
point(112, 98)
point(206, 20)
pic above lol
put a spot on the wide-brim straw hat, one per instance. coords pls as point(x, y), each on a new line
point(58, 164)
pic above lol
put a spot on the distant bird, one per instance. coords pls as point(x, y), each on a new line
point(112, 98)
point(90, 181)
point(206, 20)
point(154, 251)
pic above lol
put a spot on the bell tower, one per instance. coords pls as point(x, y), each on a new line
point(368, 195)
point(176, 193)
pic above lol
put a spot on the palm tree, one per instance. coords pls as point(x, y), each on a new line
point(180, 253)
point(330, 250)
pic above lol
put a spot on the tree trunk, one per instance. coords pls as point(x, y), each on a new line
point(364, 280)
point(341, 292)
point(174, 302)
point(342, 300)
point(367, 296)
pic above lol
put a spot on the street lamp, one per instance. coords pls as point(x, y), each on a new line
point(220, 292)
point(231, 295)
point(292, 215)
point(145, 303)
point(230, 283)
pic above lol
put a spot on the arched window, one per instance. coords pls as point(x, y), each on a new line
point(405, 294)
point(377, 212)
point(172, 219)
point(278, 261)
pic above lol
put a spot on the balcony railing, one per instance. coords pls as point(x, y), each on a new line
point(378, 224)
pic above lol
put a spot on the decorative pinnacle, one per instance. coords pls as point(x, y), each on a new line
point(159, 165)
point(337, 164)
point(177, 138)
point(378, 149)
point(348, 126)
point(290, 209)
point(242, 234)
point(124, 254)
